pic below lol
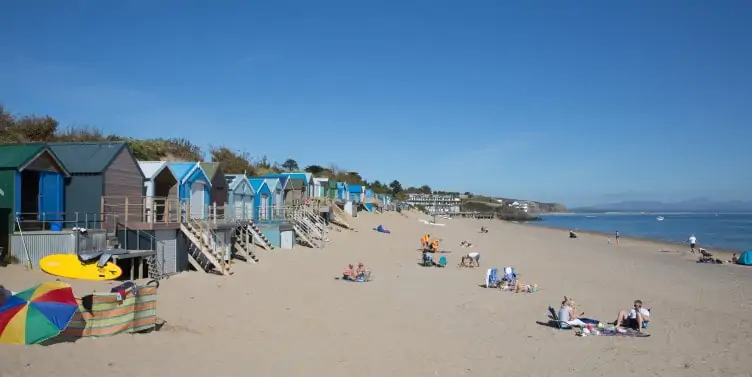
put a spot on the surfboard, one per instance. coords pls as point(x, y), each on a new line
point(69, 266)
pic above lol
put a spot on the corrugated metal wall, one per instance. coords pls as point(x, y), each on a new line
point(166, 250)
point(42, 244)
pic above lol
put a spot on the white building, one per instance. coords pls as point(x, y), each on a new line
point(435, 202)
point(522, 206)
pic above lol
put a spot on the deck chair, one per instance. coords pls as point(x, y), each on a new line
point(427, 260)
point(561, 325)
point(510, 275)
point(492, 278)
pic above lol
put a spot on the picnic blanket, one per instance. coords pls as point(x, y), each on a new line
point(128, 310)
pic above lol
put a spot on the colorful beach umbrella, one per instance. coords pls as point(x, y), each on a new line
point(37, 314)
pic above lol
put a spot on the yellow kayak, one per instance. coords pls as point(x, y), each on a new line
point(69, 266)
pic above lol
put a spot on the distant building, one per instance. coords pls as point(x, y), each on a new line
point(436, 202)
point(522, 206)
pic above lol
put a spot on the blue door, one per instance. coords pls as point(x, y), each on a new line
point(50, 196)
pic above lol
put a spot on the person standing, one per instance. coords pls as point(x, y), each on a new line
point(616, 235)
point(692, 243)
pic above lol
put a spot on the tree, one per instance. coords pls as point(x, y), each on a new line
point(396, 187)
point(316, 170)
point(425, 189)
point(231, 162)
point(290, 165)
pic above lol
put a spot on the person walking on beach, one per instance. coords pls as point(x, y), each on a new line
point(616, 235)
point(692, 243)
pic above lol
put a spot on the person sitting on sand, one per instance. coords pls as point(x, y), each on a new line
point(424, 241)
point(572, 234)
point(483, 229)
point(734, 259)
point(361, 270)
point(633, 318)
point(435, 246)
point(466, 244)
point(349, 273)
point(568, 313)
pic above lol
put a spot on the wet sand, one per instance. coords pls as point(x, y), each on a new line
point(287, 316)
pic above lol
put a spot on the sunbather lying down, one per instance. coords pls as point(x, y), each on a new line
point(518, 287)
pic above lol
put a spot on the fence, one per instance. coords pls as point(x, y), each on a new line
point(43, 243)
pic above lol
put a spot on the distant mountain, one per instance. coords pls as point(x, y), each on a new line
point(691, 205)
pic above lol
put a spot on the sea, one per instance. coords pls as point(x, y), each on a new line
point(719, 230)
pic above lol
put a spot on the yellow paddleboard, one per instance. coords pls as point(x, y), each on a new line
point(69, 266)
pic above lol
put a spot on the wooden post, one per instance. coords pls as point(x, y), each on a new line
point(214, 212)
point(143, 210)
point(126, 210)
point(101, 205)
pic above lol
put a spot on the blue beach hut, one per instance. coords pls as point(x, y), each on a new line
point(356, 193)
point(240, 196)
point(193, 187)
point(342, 191)
point(262, 200)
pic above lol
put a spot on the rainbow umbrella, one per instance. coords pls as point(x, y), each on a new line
point(37, 314)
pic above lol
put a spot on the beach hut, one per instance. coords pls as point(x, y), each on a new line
point(160, 190)
point(332, 194)
point(320, 187)
point(218, 194)
point(356, 193)
point(31, 184)
point(278, 198)
point(343, 193)
point(102, 176)
point(262, 200)
point(194, 187)
point(240, 197)
point(307, 181)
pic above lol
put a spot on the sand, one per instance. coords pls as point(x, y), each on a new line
point(287, 316)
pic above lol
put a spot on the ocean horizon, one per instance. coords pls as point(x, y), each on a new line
point(731, 231)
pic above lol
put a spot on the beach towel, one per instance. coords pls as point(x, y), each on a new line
point(381, 229)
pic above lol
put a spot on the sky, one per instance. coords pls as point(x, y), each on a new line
point(579, 102)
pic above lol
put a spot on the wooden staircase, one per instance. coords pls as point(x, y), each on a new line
point(258, 237)
point(206, 251)
point(339, 216)
point(309, 227)
point(243, 243)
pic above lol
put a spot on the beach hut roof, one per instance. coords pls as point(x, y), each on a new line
point(283, 178)
point(257, 183)
point(88, 157)
point(306, 177)
point(235, 180)
point(184, 170)
point(209, 168)
point(273, 183)
point(355, 188)
point(151, 169)
point(18, 156)
point(297, 184)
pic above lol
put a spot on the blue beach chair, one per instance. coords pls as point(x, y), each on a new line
point(492, 278)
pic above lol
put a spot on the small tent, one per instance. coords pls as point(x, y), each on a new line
point(746, 258)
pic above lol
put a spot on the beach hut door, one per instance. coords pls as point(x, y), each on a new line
point(237, 207)
point(197, 200)
point(248, 207)
point(263, 211)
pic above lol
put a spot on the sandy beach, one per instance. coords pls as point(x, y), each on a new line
point(287, 316)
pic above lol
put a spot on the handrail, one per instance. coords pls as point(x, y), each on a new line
point(199, 224)
point(45, 219)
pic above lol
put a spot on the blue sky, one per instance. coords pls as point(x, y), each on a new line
point(578, 102)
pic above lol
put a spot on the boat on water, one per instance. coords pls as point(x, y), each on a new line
point(659, 218)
